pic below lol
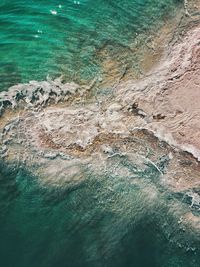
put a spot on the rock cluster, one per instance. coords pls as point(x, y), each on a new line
point(37, 94)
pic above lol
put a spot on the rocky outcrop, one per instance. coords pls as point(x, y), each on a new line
point(37, 93)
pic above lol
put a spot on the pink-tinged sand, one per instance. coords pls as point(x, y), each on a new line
point(170, 95)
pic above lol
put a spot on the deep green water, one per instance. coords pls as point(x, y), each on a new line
point(107, 221)
point(35, 43)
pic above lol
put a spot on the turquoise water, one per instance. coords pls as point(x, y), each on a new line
point(72, 38)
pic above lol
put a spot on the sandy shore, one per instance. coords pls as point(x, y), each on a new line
point(168, 97)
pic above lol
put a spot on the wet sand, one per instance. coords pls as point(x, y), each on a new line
point(168, 97)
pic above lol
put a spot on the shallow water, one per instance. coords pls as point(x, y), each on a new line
point(74, 38)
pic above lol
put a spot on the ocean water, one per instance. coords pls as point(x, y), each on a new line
point(105, 221)
point(76, 39)
point(108, 220)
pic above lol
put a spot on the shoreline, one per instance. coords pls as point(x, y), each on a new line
point(61, 118)
point(61, 132)
point(155, 99)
